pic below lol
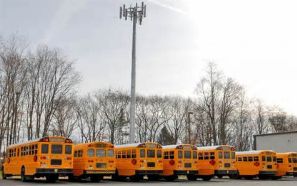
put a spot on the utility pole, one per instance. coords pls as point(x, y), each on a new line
point(136, 14)
point(189, 126)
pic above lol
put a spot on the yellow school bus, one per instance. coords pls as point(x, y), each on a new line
point(286, 164)
point(46, 157)
point(93, 160)
point(137, 160)
point(179, 160)
point(205, 165)
point(252, 164)
point(222, 157)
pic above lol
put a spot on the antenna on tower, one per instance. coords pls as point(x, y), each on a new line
point(134, 13)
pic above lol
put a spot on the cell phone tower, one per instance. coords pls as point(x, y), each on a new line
point(135, 14)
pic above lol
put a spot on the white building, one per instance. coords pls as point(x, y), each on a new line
point(279, 142)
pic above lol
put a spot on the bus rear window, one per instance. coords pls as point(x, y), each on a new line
point(187, 154)
point(233, 155)
point(194, 154)
point(110, 153)
point(91, 152)
point(68, 149)
point(44, 148)
point(150, 153)
point(226, 155)
point(142, 153)
point(56, 149)
point(180, 154)
point(100, 152)
point(159, 154)
point(269, 159)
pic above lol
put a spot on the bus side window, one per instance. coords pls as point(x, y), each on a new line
point(206, 157)
point(263, 158)
point(171, 154)
point(200, 156)
point(44, 148)
point(274, 158)
point(239, 159)
point(36, 149)
point(124, 154)
point(129, 153)
point(244, 158)
point(256, 158)
point(212, 155)
point(166, 156)
point(133, 153)
point(142, 153)
point(75, 154)
point(279, 160)
point(119, 155)
point(290, 160)
point(250, 158)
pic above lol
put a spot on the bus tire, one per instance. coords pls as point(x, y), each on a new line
point(192, 177)
point(52, 178)
point(220, 176)
point(94, 178)
point(206, 178)
point(135, 178)
point(170, 178)
point(153, 177)
point(3, 174)
point(23, 174)
point(276, 177)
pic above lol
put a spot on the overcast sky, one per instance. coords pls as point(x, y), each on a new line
point(253, 41)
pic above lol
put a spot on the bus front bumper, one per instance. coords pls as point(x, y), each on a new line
point(185, 172)
point(225, 172)
point(267, 173)
point(47, 171)
point(149, 172)
point(101, 172)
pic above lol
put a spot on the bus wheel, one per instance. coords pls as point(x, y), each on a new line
point(192, 177)
point(52, 178)
point(23, 174)
point(276, 177)
point(220, 176)
point(153, 177)
point(170, 178)
point(3, 174)
point(135, 178)
point(206, 178)
point(94, 178)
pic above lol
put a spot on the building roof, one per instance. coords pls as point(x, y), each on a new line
point(276, 133)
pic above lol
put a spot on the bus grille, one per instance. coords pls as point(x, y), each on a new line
point(227, 165)
point(56, 162)
point(101, 165)
point(188, 165)
point(150, 164)
point(269, 166)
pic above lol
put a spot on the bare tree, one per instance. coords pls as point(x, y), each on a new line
point(114, 104)
point(90, 118)
point(208, 91)
point(228, 103)
point(64, 120)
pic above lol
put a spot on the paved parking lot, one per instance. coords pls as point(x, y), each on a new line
point(214, 182)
